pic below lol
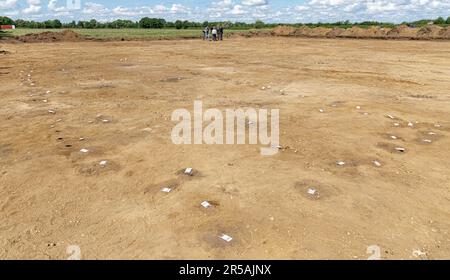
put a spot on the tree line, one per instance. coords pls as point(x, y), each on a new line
point(158, 23)
point(154, 23)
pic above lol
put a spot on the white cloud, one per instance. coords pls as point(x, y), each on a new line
point(8, 4)
point(237, 10)
point(327, 2)
point(34, 2)
point(34, 6)
point(94, 8)
point(361, 10)
point(179, 9)
point(159, 9)
point(254, 2)
point(53, 6)
point(126, 11)
point(11, 13)
point(301, 8)
point(223, 4)
point(379, 7)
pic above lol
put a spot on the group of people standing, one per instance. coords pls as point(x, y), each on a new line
point(213, 33)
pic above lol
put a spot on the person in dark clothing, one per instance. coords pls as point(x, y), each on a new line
point(220, 31)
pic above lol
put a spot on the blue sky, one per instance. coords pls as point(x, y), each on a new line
point(234, 10)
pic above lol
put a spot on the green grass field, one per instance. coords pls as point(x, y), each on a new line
point(126, 33)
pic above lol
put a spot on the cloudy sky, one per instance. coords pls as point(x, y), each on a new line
point(234, 10)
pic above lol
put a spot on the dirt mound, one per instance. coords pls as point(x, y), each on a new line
point(353, 32)
point(430, 32)
point(283, 30)
point(259, 33)
point(445, 33)
point(313, 32)
point(358, 32)
point(322, 32)
point(372, 32)
point(377, 32)
point(64, 36)
point(402, 31)
point(302, 31)
point(335, 32)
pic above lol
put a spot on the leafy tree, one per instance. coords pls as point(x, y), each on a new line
point(259, 24)
point(178, 24)
point(186, 24)
point(93, 23)
point(152, 23)
point(417, 23)
point(120, 23)
point(57, 23)
point(145, 23)
point(52, 24)
point(160, 23)
point(6, 21)
point(21, 23)
point(439, 20)
point(72, 24)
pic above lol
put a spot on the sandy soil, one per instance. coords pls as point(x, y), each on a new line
point(53, 196)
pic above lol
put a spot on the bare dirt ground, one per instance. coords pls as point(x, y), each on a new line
point(52, 195)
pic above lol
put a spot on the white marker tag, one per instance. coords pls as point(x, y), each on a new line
point(312, 191)
point(166, 190)
point(226, 238)
point(206, 204)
